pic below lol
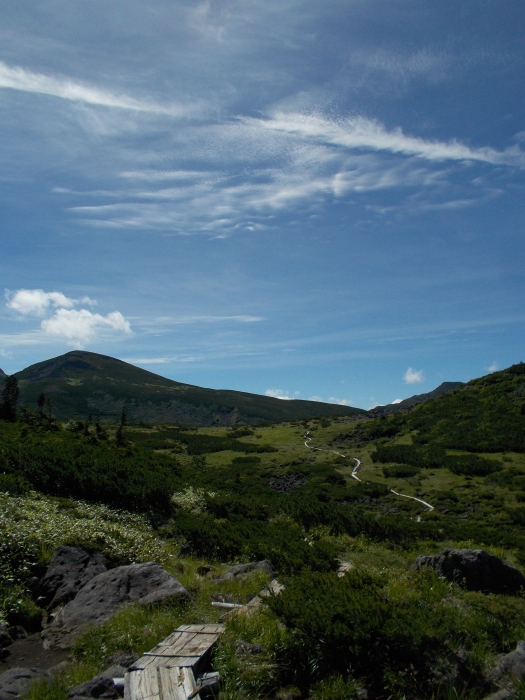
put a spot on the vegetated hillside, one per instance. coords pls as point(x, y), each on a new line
point(485, 415)
point(85, 383)
point(416, 399)
point(217, 494)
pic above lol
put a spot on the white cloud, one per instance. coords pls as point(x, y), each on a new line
point(397, 400)
point(278, 394)
point(35, 302)
point(493, 367)
point(339, 402)
point(18, 78)
point(79, 326)
point(414, 377)
point(363, 133)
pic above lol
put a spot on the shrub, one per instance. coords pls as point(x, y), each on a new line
point(400, 471)
point(472, 465)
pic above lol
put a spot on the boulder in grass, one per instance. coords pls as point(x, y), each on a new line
point(17, 681)
point(70, 568)
point(475, 569)
point(238, 569)
point(101, 687)
point(107, 594)
point(510, 668)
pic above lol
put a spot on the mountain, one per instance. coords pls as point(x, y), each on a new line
point(84, 383)
point(2, 373)
point(416, 399)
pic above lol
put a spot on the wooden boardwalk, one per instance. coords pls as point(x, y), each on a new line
point(167, 672)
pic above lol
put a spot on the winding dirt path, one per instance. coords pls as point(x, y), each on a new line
point(307, 442)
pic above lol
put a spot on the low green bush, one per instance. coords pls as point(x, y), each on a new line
point(401, 471)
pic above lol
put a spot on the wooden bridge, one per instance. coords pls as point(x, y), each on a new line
point(168, 672)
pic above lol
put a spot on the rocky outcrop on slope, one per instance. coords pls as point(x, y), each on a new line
point(475, 569)
point(70, 568)
point(17, 681)
point(102, 597)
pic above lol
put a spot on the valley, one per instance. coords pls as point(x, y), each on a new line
point(338, 508)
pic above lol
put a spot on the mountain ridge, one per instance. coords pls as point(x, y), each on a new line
point(81, 383)
point(415, 400)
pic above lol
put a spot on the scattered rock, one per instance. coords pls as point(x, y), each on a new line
point(283, 483)
point(474, 568)
point(123, 659)
point(343, 567)
point(247, 648)
point(106, 594)
point(503, 694)
point(510, 666)
point(17, 681)
point(101, 686)
point(16, 632)
point(234, 571)
point(70, 568)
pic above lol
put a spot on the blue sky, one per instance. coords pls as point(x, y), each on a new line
point(292, 197)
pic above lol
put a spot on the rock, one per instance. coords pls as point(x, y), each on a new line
point(70, 568)
point(123, 659)
point(106, 594)
point(17, 681)
point(234, 571)
point(101, 686)
point(510, 665)
point(503, 694)
point(247, 648)
point(16, 632)
point(475, 569)
point(5, 638)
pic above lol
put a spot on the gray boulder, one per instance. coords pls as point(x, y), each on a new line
point(475, 569)
point(234, 571)
point(101, 686)
point(70, 568)
point(108, 593)
point(511, 666)
point(17, 681)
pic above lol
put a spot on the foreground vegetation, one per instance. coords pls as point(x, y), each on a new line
point(184, 497)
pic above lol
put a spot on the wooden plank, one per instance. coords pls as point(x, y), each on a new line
point(202, 629)
point(143, 685)
point(196, 645)
point(176, 683)
point(173, 648)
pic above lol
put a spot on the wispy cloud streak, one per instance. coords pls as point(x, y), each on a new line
point(17, 78)
point(368, 134)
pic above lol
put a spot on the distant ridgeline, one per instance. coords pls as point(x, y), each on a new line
point(485, 415)
point(417, 399)
point(80, 384)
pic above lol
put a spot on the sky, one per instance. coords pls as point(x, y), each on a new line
point(295, 198)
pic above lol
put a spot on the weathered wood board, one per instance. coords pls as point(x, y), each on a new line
point(160, 683)
point(166, 672)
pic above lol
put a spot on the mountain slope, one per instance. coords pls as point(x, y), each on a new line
point(417, 398)
point(484, 415)
point(84, 383)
